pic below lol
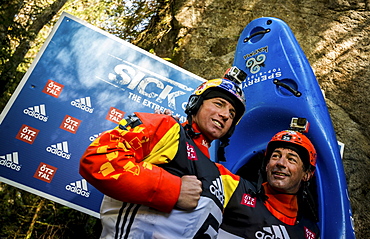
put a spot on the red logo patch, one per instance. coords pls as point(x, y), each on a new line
point(27, 134)
point(45, 172)
point(53, 88)
point(70, 124)
point(115, 115)
point(191, 152)
point(248, 200)
point(309, 234)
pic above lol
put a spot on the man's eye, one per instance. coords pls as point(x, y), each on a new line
point(232, 115)
point(274, 155)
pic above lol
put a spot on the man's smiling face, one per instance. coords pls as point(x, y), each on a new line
point(285, 171)
point(214, 118)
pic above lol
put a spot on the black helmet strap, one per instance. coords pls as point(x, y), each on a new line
point(190, 129)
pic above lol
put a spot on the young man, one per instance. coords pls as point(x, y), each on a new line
point(142, 166)
point(274, 209)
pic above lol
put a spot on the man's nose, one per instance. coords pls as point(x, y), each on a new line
point(282, 161)
point(225, 113)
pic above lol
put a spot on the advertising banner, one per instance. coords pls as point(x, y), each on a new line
point(83, 82)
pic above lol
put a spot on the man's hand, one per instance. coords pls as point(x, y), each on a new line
point(191, 188)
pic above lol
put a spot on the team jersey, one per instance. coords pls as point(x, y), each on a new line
point(138, 166)
point(246, 216)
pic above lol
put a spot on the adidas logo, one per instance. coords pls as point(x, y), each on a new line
point(79, 187)
point(59, 149)
point(273, 232)
point(37, 112)
point(10, 161)
point(217, 189)
point(93, 137)
point(83, 104)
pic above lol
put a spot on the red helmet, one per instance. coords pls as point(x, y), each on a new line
point(298, 142)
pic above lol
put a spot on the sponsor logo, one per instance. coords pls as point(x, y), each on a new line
point(37, 112)
point(256, 52)
point(45, 172)
point(83, 104)
point(248, 200)
point(79, 187)
point(273, 232)
point(191, 152)
point(286, 137)
point(309, 234)
point(53, 88)
point(262, 76)
point(115, 115)
point(59, 149)
point(217, 189)
point(148, 84)
point(27, 134)
point(70, 124)
point(93, 137)
point(254, 64)
point(10, 161)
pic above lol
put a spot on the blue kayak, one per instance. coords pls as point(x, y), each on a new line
point(280, 84)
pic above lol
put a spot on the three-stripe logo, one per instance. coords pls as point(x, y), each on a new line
point(60, 149)
point(37, 112)
point(83, 104)
point(10, 161)
point(79, 187)
point(275, 231)
point(217, 189)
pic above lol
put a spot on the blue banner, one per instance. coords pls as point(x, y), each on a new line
point(83, 82)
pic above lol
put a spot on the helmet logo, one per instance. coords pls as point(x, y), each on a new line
point(286, 137)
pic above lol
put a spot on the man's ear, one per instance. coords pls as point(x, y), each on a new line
point(307, 175)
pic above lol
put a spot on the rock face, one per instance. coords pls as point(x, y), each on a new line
point(201, 36)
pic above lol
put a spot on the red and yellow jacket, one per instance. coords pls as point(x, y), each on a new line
point(132, 163)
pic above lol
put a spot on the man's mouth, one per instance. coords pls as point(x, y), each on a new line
point(280, 174)
point(217, 123)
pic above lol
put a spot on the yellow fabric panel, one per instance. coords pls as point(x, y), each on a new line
point(102, 150)
point(112, 155)
point(230, 185)
point(106, 169)
point(165, 150)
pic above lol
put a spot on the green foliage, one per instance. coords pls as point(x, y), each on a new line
point(24, 26)
point(24, 215)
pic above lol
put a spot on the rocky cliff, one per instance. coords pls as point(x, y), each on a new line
point(201, 36)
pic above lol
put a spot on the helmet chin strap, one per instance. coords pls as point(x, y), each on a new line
point(189, 129)
point(221, 149)
point(224, 140)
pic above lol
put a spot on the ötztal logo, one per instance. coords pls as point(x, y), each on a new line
point(248, 200)
point(53, 88)
point(309, 234)
point(115, 115)
point(191, 152)
point(27, 134)
point(70, 124)
point(45, 172)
